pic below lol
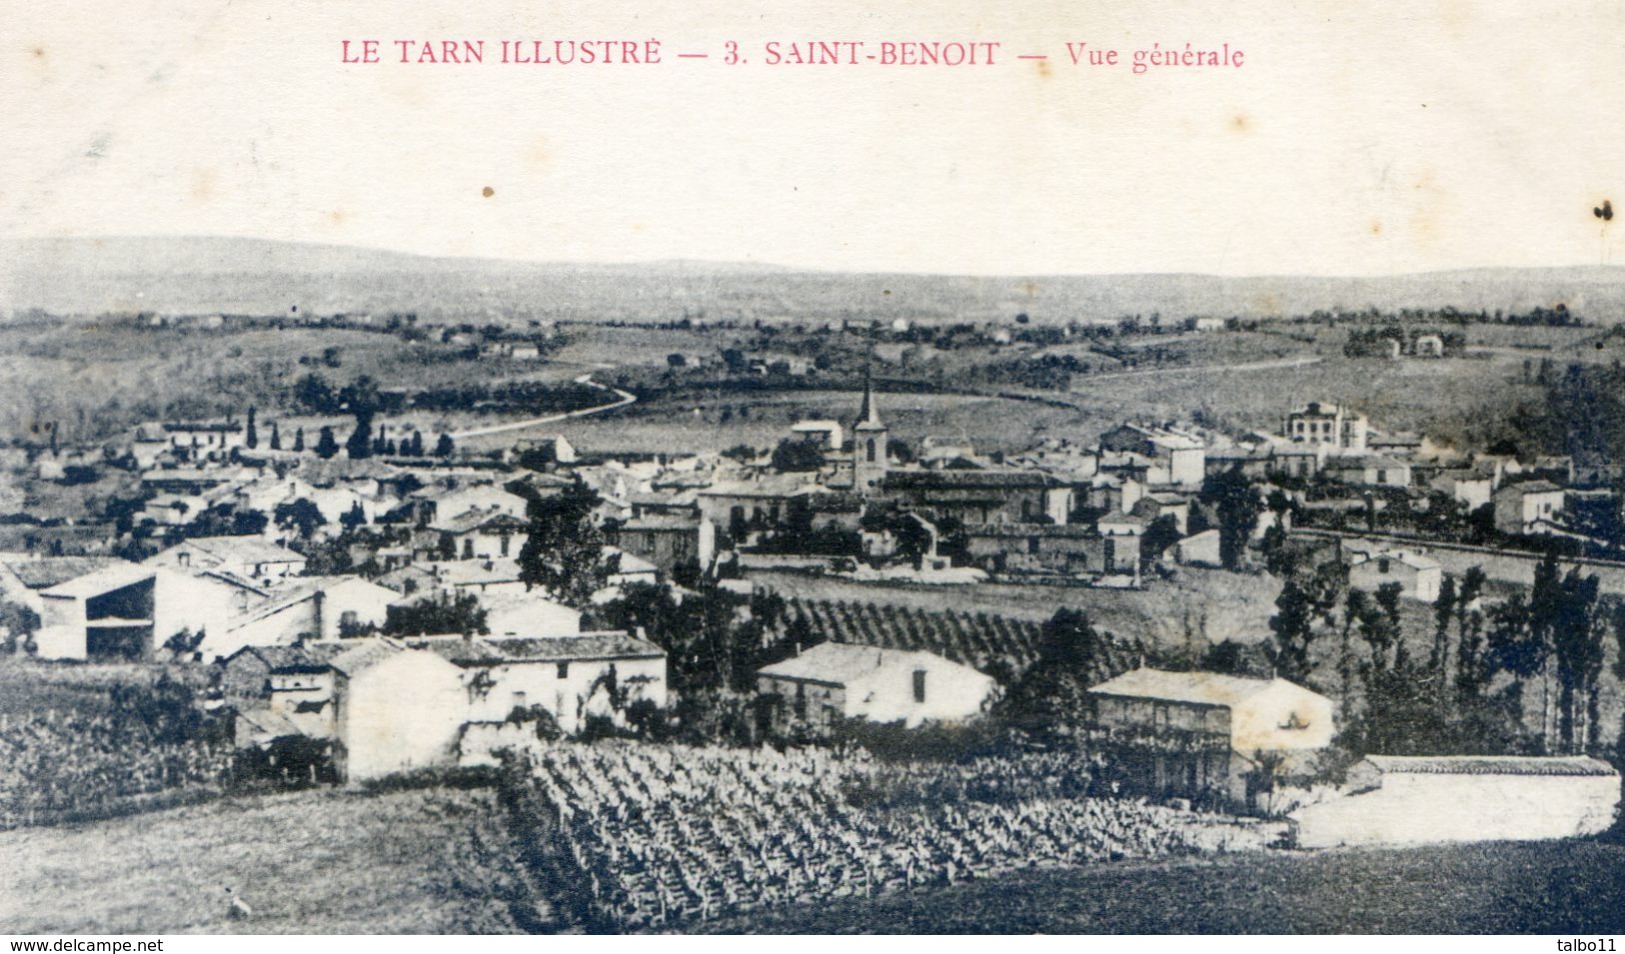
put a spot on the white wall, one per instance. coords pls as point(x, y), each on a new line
point(1256, 723)
point(540, 684)
point(1421, 808)
point(183, 601)
point(400, 714)
point(530, 615)
point(62, 629)
point(952, 692)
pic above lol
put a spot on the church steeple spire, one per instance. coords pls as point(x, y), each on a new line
point(869, 450)
point(869, 413)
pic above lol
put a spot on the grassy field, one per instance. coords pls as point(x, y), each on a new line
point(1493, 888)
point(429, 861)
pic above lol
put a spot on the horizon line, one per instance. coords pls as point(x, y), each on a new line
point(766, 266)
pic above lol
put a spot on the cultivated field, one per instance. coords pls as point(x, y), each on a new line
point(642, 836)
point(1220, 605)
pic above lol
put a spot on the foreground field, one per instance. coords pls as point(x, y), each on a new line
point(1495, 888)
point(432, 861)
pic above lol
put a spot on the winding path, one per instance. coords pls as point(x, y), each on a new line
point(622, 399)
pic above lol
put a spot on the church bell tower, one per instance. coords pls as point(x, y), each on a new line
point(868, 443)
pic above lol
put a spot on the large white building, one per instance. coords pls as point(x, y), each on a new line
point(814, 690)
point(572, 677)
point(1319, 422)
point(388, 708)
point(1200, 734)
point(253, 559)
point(129, 610)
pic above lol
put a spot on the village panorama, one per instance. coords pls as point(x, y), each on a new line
point(425, 597)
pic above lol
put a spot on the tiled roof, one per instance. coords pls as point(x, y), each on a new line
point(313, 655)
point(37, 573)
point(96, 582)
point(1490, 765)
point(1203, 688)
point(954, 479)
point(843, 663)
point(485, 651)
point(366, 654)
point(245, 549)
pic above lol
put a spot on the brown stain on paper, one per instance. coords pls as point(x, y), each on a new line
point(203, 185)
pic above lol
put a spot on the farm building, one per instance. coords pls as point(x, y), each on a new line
point(482, 534)
point(1295, 460)
point(319, 607)
point(1525, 507)
point(1418, 575)
point(1199, 734)
point(668, 540)
point(1046, 548)
point(571, 677)
point(976, 497)
point(388, 707)
point(1177, 458)
point(764, 502)
point(246, 673)
point(545, 453)
point(1110, 493)
point(1371, 470)
point(1199, 549)
point(1467, 486)
point(129, 610)
point(201, 439)
point(520, 613)
point(1397, 800)
point(814, 690)
point(250, 558)
point(829, 434)
point(23, 576)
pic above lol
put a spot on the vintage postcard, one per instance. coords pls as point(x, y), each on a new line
point(954, 467)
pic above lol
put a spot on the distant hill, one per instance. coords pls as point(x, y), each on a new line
point(191, 275)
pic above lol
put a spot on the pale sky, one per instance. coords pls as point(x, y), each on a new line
point(1434, 135)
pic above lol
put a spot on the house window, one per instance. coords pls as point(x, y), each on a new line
point(871, 452)
point(468, 548)
point(505, 544)
point(801, 700)
point(564, 670)
point(919, 685)
point(1382, 565)
point(1159, 715)
point(1032, 546)
point(519, 700)
point(1382, 476)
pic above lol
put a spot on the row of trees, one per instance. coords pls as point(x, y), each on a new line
point(1523, 676)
